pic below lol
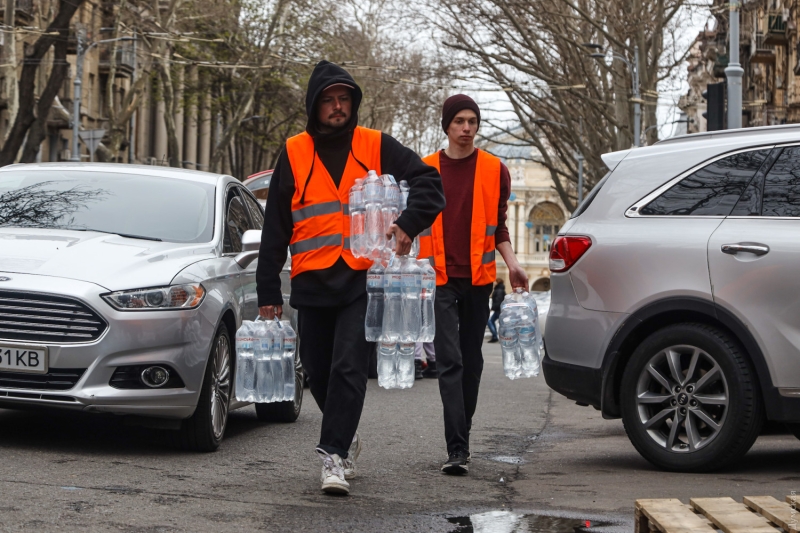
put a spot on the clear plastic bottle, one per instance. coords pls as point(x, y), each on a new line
point(528, 343)
point(411, 279)
point(289, 348)
point(373, 200)
point(357, 214)
point(373, 322)
point(392, 302)
point(265, 379)
point(245, 363)
point(509, 343)
point(405, 365)
point(387, 371)
point(276, 361)
point(427, 296)
point(389, 211)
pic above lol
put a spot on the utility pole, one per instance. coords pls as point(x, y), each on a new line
point(132, 142)
point(76, 97)
point(734, 71)
point(637, 99)
point(579, 157)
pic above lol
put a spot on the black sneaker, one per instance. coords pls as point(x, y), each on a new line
point(418, 369)
point(493, 340)
point(457, 463)
point(430, 372)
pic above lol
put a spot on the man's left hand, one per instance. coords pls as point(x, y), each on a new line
point(518, 277)
point(401, 238)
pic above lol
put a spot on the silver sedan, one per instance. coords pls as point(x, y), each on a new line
point(121, 290)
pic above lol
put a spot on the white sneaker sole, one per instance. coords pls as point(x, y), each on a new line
point(335, 487)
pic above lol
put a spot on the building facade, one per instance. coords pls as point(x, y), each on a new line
point(768, 54)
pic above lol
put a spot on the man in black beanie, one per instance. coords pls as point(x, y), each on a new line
point(461, 245)
point(307, 212)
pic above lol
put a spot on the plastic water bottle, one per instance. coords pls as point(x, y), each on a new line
point(387, 374)
point(265, 379)
point(357, 244)
point(245, 363)
point(405, 365)
point(528, 345)
point(373, 322)
point(374, 230)
point(427, 295)
point(392, 302)
point(276, 361)
point(289, 348)
point(389, 211)
point(411, 280)
point(509, 343)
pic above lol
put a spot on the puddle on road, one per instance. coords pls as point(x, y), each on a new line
point(508, 522)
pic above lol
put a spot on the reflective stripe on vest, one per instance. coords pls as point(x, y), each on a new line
point(486, 197)
point(320, 210)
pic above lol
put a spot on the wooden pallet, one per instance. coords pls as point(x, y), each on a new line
point(758, 514)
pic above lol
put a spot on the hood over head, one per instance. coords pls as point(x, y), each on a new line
point(327, 74)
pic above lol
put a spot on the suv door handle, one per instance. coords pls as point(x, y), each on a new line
point(748, 247)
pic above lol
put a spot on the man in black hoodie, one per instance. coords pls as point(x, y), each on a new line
point(307, 212)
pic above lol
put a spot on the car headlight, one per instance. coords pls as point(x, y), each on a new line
point(186, 296)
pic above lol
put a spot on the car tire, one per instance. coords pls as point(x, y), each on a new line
point(717, 403)
point(285, 411)
point(205, 429)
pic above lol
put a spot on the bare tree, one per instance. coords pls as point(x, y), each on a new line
point(567, 102)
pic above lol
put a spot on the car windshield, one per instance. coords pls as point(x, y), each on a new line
point(260, 187)
point(148, 207)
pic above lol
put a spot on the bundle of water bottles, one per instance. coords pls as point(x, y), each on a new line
point(265, 371)
point(520, 335)
point(399, 314)
point(375, 202)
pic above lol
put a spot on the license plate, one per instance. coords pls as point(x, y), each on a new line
point(21, 358)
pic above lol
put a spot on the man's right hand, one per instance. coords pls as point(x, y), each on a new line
point(269, 311)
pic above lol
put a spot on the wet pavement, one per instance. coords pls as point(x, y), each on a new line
point(540, 463)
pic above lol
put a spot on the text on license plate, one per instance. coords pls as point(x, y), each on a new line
point(23, 359)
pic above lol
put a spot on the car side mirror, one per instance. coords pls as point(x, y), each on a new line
point(251, 242)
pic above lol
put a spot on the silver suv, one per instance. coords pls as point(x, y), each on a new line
point(676, 295)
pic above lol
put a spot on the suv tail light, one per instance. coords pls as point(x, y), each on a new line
point(566, 251)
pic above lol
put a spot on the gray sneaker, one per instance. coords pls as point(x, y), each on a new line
point(352, 456)
point(332, 476)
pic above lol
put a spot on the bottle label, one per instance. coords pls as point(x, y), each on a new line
point(245, 342)
point(409, 280)
point(428, 282)
point(266, 344)
point(374, 281)
point(394, 281)
point(288, 345)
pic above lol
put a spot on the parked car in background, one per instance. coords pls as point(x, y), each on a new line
point(121, 290)
point(258, 184)
point(676, 295)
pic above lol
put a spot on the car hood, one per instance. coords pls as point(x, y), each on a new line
point(111, 261)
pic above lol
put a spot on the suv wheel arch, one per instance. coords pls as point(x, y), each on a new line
point(668, 311)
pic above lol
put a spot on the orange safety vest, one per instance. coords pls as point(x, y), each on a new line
point(320, 212)
point(485, 199)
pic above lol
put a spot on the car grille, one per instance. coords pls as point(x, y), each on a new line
point(29, 316)
point(56, 379)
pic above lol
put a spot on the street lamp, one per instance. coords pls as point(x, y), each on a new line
point(634, 68)
point(78, 83)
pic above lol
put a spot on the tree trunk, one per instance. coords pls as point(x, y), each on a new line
point(10, 59)
point(57, 30)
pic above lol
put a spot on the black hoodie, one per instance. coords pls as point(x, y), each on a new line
point(339, 284)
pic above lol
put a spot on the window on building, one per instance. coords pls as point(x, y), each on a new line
point(543, 224)
point(711, 191)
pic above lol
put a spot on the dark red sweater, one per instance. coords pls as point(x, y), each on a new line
point(458, 181)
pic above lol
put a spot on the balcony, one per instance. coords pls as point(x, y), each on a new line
point(23, 13)
point(761, 52)
point(776, 30)
point(124, 61)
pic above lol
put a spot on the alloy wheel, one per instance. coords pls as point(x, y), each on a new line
point(682, 398)
point(220, 394)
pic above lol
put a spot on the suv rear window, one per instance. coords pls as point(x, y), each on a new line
point(782, 186)
point(590, 198)
point(711, 191)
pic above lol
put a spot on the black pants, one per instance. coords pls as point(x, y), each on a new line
point(462, 310)
point(335, 355)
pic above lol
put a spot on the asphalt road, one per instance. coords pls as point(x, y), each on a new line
point(534, 453)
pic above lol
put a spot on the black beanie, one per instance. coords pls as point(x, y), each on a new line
point(456, 103)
